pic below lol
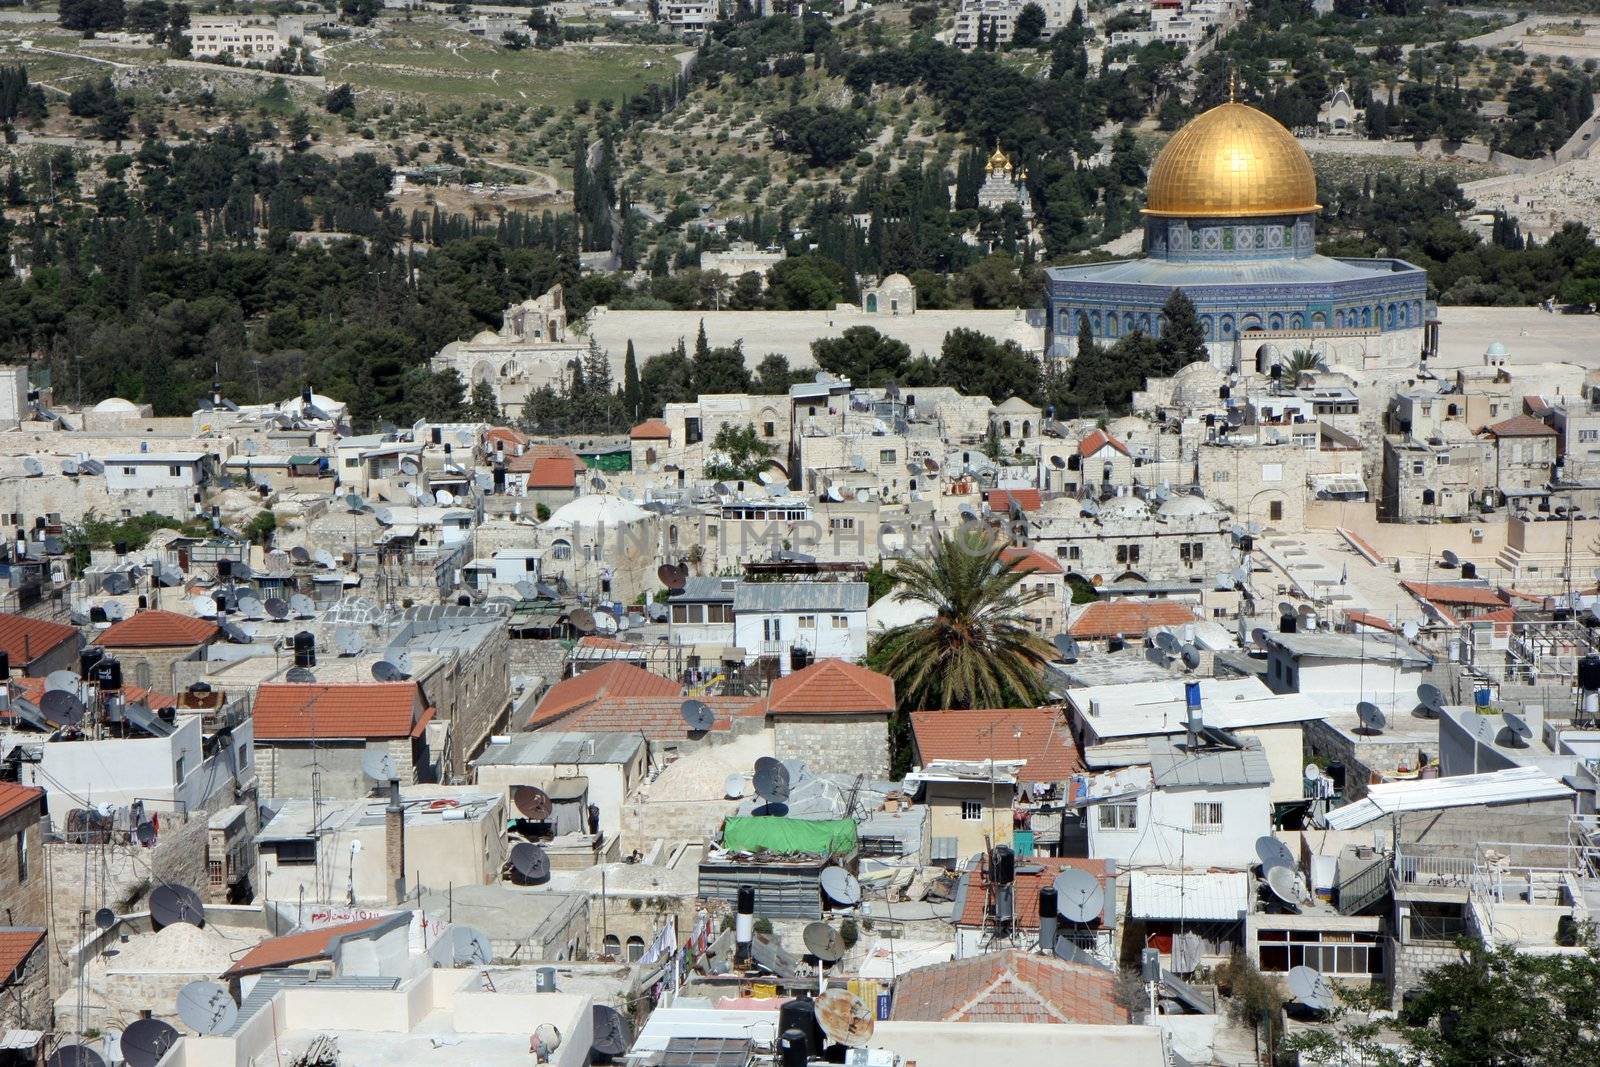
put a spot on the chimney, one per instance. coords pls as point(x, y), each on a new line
point(394, 842)
point(744, 924)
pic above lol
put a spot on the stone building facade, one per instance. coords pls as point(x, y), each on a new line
point(1441, 477)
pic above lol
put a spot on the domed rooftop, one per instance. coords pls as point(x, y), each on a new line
point(896, 281)
point(1183, 505)
point(594, 509)
point(485, 337)
point(1231, 162)
point(1197, 383)
point(118, 405)
point(1125, 507)
point(1495, 348)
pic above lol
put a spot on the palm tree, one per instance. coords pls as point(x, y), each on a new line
point(976, 651)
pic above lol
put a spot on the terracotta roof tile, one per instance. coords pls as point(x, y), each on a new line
point(1002, 499)
point(24, 639)
point(155, 628)
point(14, 797)
point(533, 454)
point(552, 472)
point(610, 681)
point(831, 687)
point(1027, 886)
point(651, 430)
point(1131, 618)
point(303, 947)
point(507, 435)
point(295, 711)
point(1095, 440)
point(1031, 559)
point(1520, 426)
point(1044, 741)
point(1010, 986)
point(1362, 618)
point(16, 945)
point(1475, 595)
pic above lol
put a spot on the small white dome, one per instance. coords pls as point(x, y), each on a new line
point(896, 281)
point(118, 405)
point(1183, 505)
point(1125, 507)
point(594, 509)
point(1495, 349)
point(485, 337)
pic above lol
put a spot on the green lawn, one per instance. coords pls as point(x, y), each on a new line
point(443, 64)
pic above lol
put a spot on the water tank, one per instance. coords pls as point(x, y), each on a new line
point(87, 659)
point(1286, 623)
point(799, 658)
point(544, 980)
point(800, 1014)
point(1589, 674)
point(1469, 570)
point(305, 649)
point(792, 1049)
point(108, 675)
point(5, 665)
point(1004, 862)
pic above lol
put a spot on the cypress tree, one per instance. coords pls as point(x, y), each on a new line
point(1182, 340)
point(632, 390)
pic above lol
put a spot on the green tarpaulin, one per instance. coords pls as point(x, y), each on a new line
point(772, 833)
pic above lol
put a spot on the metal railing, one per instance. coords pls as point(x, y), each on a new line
point(1414, 868)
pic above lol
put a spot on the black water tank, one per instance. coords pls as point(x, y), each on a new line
point(224, 568)
point(792, 1048)
point(1469, 570)
point(801, 1014)
point(305, 649)
point(5, 665)
point(1047, 902)
point(121, 548)
point(108, 675)
point(87, 659)
point(1589, 674)
point(1286, 624)
point(1336, 776)
point(799, 658)
point(1005, 865)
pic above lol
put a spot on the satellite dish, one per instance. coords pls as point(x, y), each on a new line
point(105, 919)
point(349, 641)
point(1449, 559)
point(206, 1008)
point(483, 481)
point(1258, 637)
point(1167, 641)
point(409, 465)
point(252, 608)
point(697, 714)
point(771, 780)
point(385, 671)
point(531, 801)
point(1191, 657)
point(146, 1041)
point(671, 576)
point(1286, 609)
point(116, 583)
point(1518, 728)
point(525, 590)
point(612, 1034)
point(844, 1017)
point(1312, 773)
point(324, 559)
point(549, 592)
point(470, 947)
point(277, 608)
point(204, 607)
point(733, 786)
point(1410, 630)
point(62, 707)
point(1309, 987)
point(1372, 717)
point(62, 679)
point(172, 904)
point(1273, 852)
point(1066, 647)
point(1284, 883)
point(1059, 462)
point(32, 467)
point(75, 1056)
point(302, 606)
point(823, 942)
point(378, 764)
point(300, 675)
point(530, 863)
point(1079, 896)
point(444, 498)
point(298, 554)
point(582, 620)
point(840, 885)
point(1429, 697)
point(548, 1039)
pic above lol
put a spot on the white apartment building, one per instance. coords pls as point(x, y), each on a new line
point(241, 36)
point(977, 16)
point(689, 17)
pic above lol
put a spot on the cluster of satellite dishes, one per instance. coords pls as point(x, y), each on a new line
point(1167, 647)
point(537, 591)
point(74, 468)
point(1280, 875)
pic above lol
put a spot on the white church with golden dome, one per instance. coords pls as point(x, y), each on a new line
point(1230, 218)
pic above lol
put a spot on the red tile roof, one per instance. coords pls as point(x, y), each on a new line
point(511, 437)
point(533, 454)
point(24, 639)
point(1002, 499)
point(831, 687)
point(1131, 618)
point(552, 472)
point(155, 628)
point(14, 797)
point(1038, 735)
point(1095, 440)
point(303, 947)
point(1027, 886)
point(373, 710)
point(1031, 559)
point(611, 681)
point(1476, 595)
point(16, 945)
point(651, 430)
point(657, 718)
point(1010, 986)
point(1362, 618)
point(1520, 426)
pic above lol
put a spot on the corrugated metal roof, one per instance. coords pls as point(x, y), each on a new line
point(706, 587)
point(800, 596)
point(1214, 897)
point(1173, 766)
point(1463, 790)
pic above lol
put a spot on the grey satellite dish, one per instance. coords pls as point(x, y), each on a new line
point(1079, 896)
point(531, 801)
point(116, 612)
point(277, 608)
point(1284, 884)
point(549, 592)
point(546, 1038)
point(1518, 729)
point(526, 590)
point(444, 498)
point(1449, 559)
point(298, 554)
point(235, 634)
point(611, 1031)
point(1273, 852)
point(1167, 641)
point(169, 575)
point(172, 904)
point(146, 1041)
point(145, 834)
point(1312, 773)
point(1066, 647)
point(697, 714)
point(242, 571)
point(349, 641)
point(385, 516)
point(252, 608)
point(379, 765)
point(300, 675)
point(1191, 657)
point(470, 947)
point(582, 620)
point(1070, 951)
point(207, 1008)
point(1372, 717)
point(302, 606)
point(1410, 630)
point(484, 481)
point(409, 465)
point(32, 467)
point(771, 780)
point(69, 467)
point(1286, 609)
point(1309, 987)
point(116, 583)
point(385, 671)
point(1258, 637)
point(75, 1056)
point(204, 607)
point(62, 679)
point(324, 559)
point(62, 707)
point(733, 786)
point(840, 885)
point(1429, 697)
point(530, 862)
point(105, 919)
point(92, 466)
point(823, 942)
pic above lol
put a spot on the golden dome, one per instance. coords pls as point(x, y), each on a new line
point(1232, 162)
point(998, 161)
